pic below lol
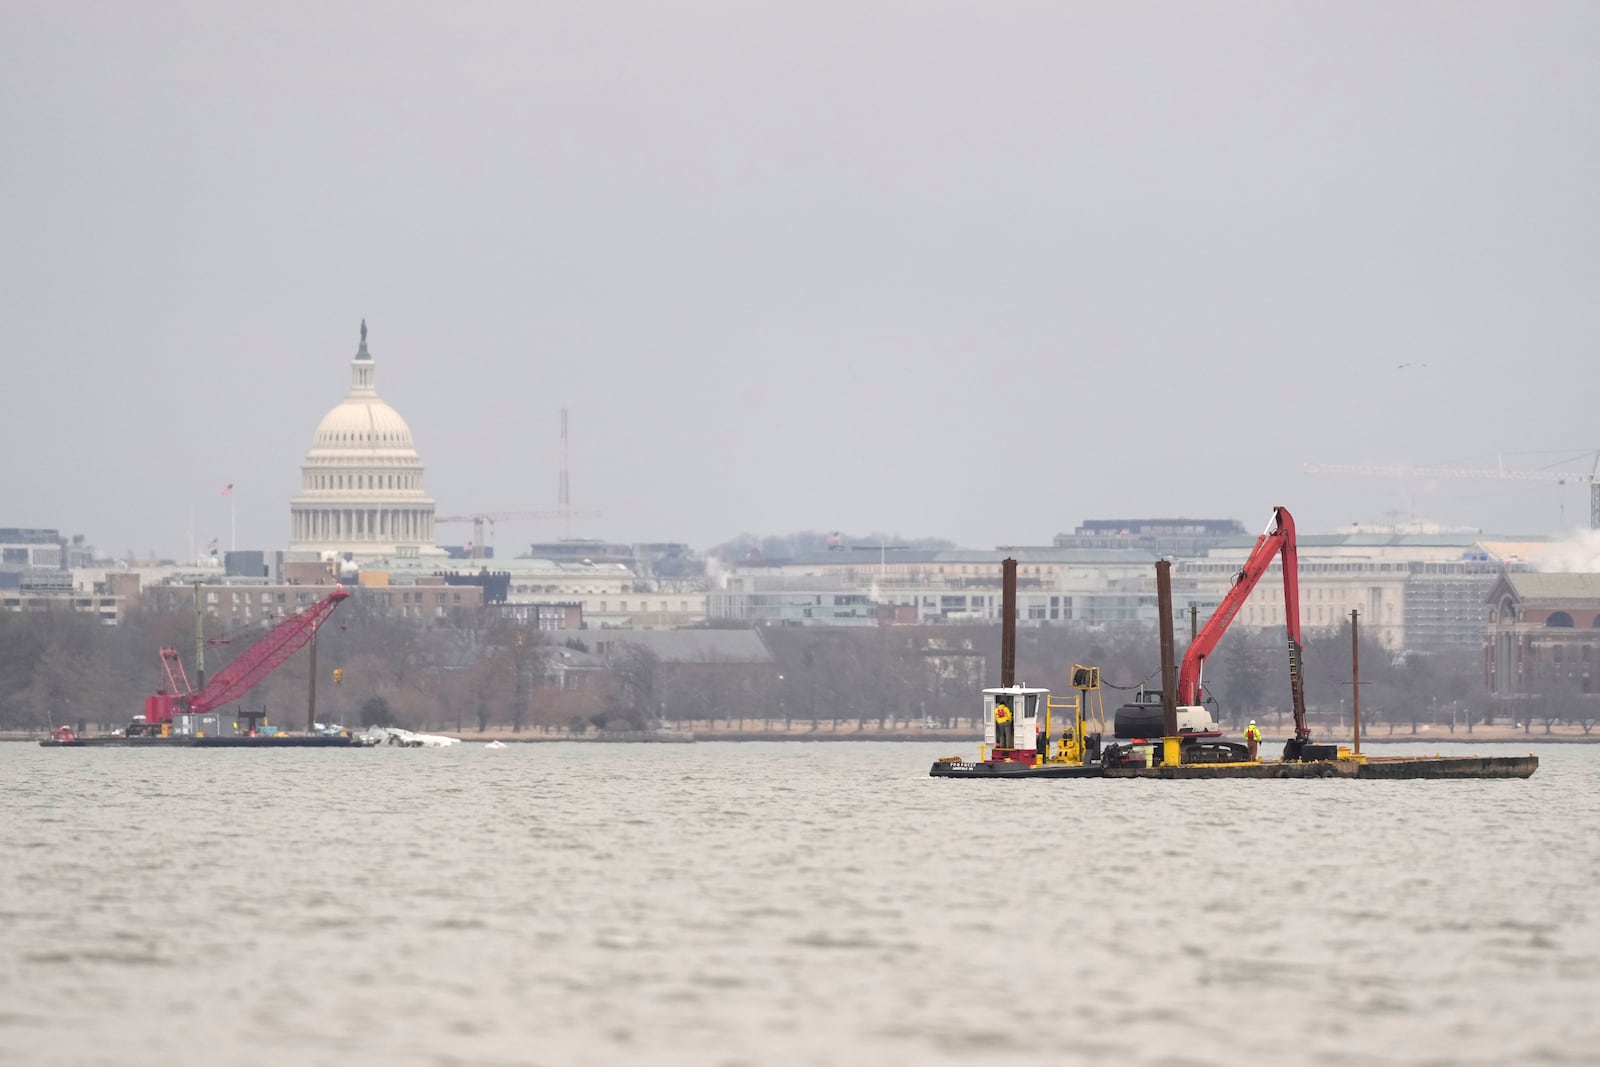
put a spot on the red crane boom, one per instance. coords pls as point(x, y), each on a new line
point(245, 672)
point(266, 655)
point(1276, 540)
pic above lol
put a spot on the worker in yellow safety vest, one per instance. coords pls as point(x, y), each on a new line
point(1004, 728)
point(1252, 736)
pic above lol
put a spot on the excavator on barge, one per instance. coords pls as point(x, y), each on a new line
point(1143, 736)
point(1145, 718)
point(1171, 734)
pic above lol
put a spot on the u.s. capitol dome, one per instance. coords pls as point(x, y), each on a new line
point(361, 490)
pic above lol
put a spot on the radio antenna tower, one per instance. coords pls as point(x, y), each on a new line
point(565, 493)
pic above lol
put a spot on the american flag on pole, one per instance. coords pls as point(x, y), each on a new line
point(227, 490)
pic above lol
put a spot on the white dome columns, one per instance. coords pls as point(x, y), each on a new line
point(361, 491)
point(382, 525)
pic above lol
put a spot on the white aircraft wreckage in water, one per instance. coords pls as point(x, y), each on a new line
point(393, 735)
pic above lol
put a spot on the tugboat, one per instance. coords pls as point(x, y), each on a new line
point(1020, 722)
point(1020, 738)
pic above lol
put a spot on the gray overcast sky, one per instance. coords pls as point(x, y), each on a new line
point(977, 270)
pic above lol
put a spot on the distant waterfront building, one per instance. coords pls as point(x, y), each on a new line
point(672, 562)
point(1543, 639)
point(102, 603)
point(1163, 537)
point(867, 585)
point(39, 572)
point(1418, 592)
point(1415, 592)
point(425, 599)
point(581, 550)
point(25, 552)
point(608, 595)
point(361, 493)
point(558, 595)
point(778, 600)
point(39, 556)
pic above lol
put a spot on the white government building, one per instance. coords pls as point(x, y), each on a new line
point(362, 499)
point(361, 492)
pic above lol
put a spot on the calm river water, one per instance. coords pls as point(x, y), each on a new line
point(783, 904)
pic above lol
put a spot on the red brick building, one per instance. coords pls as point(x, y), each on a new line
point(1544, 636)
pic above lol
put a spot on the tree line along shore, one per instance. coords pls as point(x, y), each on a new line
point(490, 676)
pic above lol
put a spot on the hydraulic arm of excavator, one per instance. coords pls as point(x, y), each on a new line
point(263, 657)
point(1277, 540)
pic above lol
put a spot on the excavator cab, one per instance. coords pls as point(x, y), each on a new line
point(1143, 716)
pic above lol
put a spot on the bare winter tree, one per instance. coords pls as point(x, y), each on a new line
point(634, 673)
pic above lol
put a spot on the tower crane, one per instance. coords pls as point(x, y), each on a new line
point(483, 519)
point(1401, 470)
point(565, 512)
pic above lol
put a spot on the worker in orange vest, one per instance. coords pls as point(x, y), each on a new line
point(1252, 736)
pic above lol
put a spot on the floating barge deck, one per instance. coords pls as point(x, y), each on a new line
point(277, 741)
point(1386, 767)
point(1175, 735)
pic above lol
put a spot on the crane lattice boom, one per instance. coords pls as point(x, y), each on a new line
point(500, 516)
point(177, 677)
point(1400, 470)
point(265, 656)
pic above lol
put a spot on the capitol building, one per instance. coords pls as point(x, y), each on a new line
point(361, 493)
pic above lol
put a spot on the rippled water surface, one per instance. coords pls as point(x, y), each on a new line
point(782, 903)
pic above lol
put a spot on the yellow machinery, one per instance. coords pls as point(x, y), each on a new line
point(1018, 740)
point(1085, 717)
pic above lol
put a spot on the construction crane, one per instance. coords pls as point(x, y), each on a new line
point(1400, 470)
point(565, 512)
point(485, 519)
point(238, 677)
